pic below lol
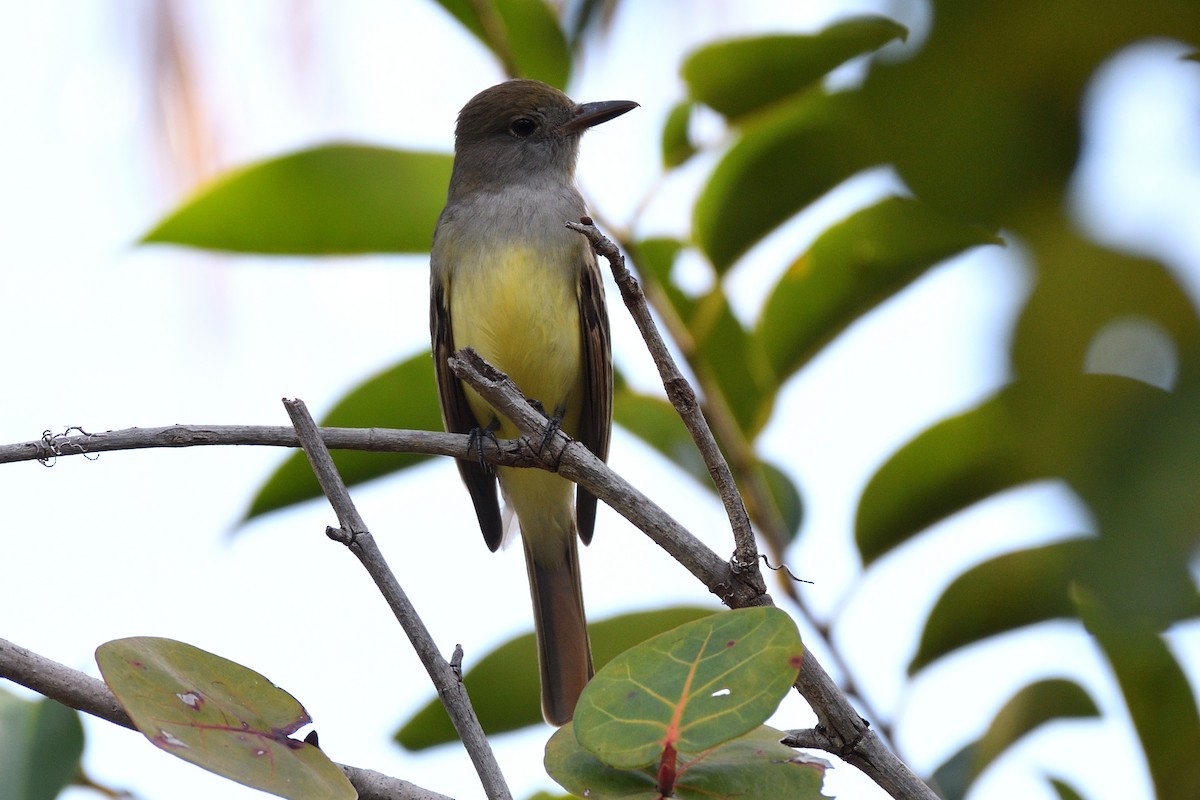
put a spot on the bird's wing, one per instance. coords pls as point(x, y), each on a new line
point(595, 420)
point(479, 478)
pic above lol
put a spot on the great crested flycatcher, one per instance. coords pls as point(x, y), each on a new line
point(511, 281)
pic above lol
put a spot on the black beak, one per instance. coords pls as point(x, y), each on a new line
point(590, 114)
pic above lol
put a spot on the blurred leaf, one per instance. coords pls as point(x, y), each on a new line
point(1064, 790)
point(751, 767)
point(959, 461)
point(656, 422)
point(655, 260)
point(789, 506)
point(1034, 705)
point(41, 747)
point(339, 198)
point(989, 139)
point(1140, 482)
point(1028, 431)
point(733, 372)
point(677, 145)
point(851, 268)
point(786, 160)
point(1034, 583)
point(404, 396)
point(692, 688)
point(504, 684)
point(524, 35)
point(739, 76)
point(1159, 697)
point(1081, 290)
point(220, 716)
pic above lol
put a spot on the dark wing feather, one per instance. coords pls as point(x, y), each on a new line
point(595, 421)
point(458, 418)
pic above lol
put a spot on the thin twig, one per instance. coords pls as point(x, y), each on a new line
point(683, 398)
point(354, 534)
point(90, 695)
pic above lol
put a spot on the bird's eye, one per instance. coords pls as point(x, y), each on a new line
point(523, 126)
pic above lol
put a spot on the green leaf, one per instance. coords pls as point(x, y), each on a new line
point(41, 745)
point(751, 767)
point(1026, 432)
point(218, 715)
point(739, 76)
point(504, 684)
point(1159, 697)
point(1064, 790)
point(1036, 586)
point(1033, 706)
point(524, 35)
point(957, 462)
point(404, 396)
point(852, 267)
point(691, 688)
point(788, 504)
point(655, 260)
point(677, 144)
point(786, 160)
point(984, 120)
point(339, 198)
point(732, 369)
point(656, 422)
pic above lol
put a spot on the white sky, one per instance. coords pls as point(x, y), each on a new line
point(106, 335)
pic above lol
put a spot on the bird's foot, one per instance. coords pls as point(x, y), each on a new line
point(476, 438)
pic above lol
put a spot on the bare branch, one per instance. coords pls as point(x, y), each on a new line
point(683, 397)
point(354, 534)
point(82, 692)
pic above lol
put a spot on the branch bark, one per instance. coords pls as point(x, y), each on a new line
point(354, 534)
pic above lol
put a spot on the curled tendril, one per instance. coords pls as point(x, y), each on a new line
point(783, 567)
point(59, 443)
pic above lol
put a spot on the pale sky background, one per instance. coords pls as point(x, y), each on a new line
point(106, 335)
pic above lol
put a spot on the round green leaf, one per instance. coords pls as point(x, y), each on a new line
point(750, 767)
point(340, 198)
point(743, 75)
point(691, 688)
point(504, 685)
point(219, 715)
point(404, 396)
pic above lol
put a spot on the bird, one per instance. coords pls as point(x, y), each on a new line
point(509, 279)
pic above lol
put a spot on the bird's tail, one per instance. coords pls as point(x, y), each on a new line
point(564, 653)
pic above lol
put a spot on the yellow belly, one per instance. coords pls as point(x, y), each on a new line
point(524, 319)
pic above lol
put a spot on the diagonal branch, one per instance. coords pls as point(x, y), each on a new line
point(354, 534)
point(683, 398)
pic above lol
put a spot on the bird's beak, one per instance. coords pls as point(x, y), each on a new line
point(590, 114)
